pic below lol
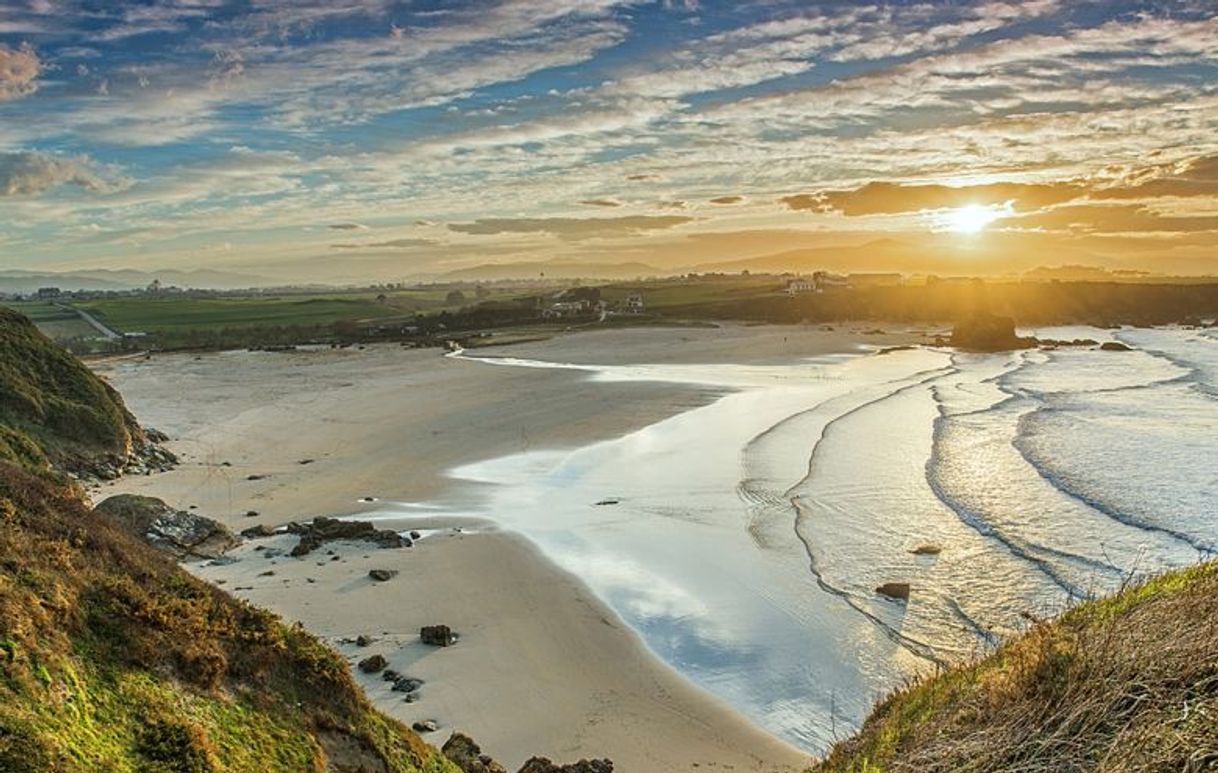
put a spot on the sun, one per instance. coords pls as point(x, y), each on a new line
point(970, 219)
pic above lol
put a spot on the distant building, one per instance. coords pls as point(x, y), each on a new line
point(634, 303)
point(874, 280)
point(797, 286)
point(563, 309)
point(823, 281)
point(47, 293)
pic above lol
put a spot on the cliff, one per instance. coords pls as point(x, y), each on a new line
point(112, 657)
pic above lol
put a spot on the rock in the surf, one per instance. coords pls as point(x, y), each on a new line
point(894, 590)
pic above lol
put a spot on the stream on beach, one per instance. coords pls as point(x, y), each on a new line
point(745, 539)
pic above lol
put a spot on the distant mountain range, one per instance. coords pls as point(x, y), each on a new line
point(17, 281)
point(555, 269)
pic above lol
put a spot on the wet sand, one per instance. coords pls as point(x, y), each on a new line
point(543, 666)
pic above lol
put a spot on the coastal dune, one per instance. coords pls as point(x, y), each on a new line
point(543, 666)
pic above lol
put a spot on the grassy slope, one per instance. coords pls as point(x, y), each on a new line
point(1128, 683)
point(52, 407)
point(111, 657)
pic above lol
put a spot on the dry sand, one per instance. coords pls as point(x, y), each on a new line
point(543, 667)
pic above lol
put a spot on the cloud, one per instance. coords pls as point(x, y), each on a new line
point(28, 173)
point(572, 228)
point(19, 71)
point(1114, 218)
point(727, 200)
point(886, 198)
point(347, 227)
point(391, 244)
point(601, 203)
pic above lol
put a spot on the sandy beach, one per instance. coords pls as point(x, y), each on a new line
point(543, 667)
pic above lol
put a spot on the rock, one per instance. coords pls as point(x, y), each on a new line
point(411, 697)
point(425, 726)
point(461, 751)
point(323, 530)
point(609, 501)
point(894, 590)
point(415, 535)
point(543, 765)
point(258, 532)
point(1114, 346)
point(255, 477)
point(251, 513)
point(390, 675)
point(179, 532)
point(373, 664)
point(267, 573)
point(306, 461)
point(985, 332)
point(927, 550)
point(406, 684)
point(362, 640)
point(382, 575)
point(437, 635)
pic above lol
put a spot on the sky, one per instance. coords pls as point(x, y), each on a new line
point(350, 140)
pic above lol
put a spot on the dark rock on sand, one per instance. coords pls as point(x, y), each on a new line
point(259, 531)
point(406, 684)
point(425, 726)
point(437, 635)
point(985, 332)
point(894, 590)
point(543, 765)
point(322, 530)
point(927, 550)
point(382, 575)
point(363, 640)
point(1114, 346)
point(373, 664)
point(179, 532)
point(467, 755)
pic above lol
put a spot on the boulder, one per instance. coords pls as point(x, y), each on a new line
point(373, 664)
point(181, 533)
point(363, 640)
point(257, 532)
point(322, 530)
point(425, 726)
point(406, 684)
point(1114, 346)
point(894, 590)
point(382, 575)
point(437, 635)
point(927, 550)
point(543, 765)
point(461, 751)
point(985, 332)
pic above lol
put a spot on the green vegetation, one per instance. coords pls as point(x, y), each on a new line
point(113, 658)
point(1128, 683)
point(52, 407)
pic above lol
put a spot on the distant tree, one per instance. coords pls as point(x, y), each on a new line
point(454, 298)
point(382, 298)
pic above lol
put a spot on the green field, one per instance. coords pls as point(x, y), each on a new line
point(181, 315)
point(675, 293)
point(56, 323)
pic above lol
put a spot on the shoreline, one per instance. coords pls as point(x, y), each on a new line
point(522, 680)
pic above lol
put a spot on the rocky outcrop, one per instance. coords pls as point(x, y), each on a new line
point(1114, 346)
point(374, 664)
point(322, 530)
point(467, 755)
point(179, 532)
point(894, 590)
point(543, 765)
point(985, 332)
point(437, 635)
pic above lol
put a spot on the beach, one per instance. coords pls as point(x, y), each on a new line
point(543, 666)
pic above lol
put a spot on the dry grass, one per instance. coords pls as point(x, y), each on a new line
point(1128, 683)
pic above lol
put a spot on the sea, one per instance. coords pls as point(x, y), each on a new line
point(745, 539)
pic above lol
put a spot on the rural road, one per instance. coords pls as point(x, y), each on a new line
point(100, 326)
